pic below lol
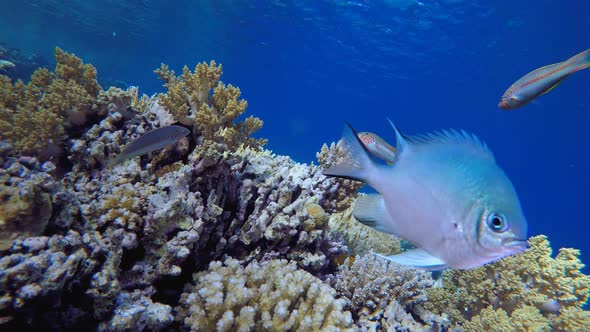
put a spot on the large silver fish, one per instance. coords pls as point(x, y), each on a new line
point(444, 193)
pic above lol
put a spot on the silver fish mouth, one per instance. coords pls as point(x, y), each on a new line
point(517, 245)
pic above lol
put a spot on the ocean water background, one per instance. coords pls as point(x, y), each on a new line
point(306, 66)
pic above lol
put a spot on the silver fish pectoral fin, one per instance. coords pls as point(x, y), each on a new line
point(370, 210)
point(417, 258)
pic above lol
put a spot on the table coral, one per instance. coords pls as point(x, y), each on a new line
point(201, 100)
point(521, 284)
point(268, 296)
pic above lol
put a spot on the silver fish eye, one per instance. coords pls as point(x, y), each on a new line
point(497, 222)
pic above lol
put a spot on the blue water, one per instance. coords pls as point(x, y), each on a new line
point(307, 66)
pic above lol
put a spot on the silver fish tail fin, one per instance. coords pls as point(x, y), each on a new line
point(580, 61)
point(358, 164)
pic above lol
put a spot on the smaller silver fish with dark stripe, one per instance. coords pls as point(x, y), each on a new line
point(542, 80)
point(154, 140)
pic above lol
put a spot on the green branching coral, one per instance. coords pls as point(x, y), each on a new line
point(35, 116)
point(549, 291)
point(269, 296)
point(199, 99)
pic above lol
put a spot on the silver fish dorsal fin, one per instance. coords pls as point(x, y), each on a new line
point(400, 139)
point(450, 137)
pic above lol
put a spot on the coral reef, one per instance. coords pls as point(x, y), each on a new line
point(209, 234)
point(200, 99)
point(270, 296)
point(26, 193)
point(383, 294)
point(550, 291)
point(34, 117)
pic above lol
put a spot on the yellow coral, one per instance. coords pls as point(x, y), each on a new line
point(214, 116)
point(515, 285)
point(269, 296)
point(34, 117)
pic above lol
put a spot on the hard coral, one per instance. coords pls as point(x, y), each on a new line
point(199, 99)
point(34, 117)
point(532, 282)
point(249, 204)
point(268, 296)
point(25, 199)
point(380, 293)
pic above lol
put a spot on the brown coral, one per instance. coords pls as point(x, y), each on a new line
point(198, 98)
point(524, 283)
point(34, 117)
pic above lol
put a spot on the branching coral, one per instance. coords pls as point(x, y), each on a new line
point(375, 288)
point(250, 204)
point(532, 282)
point(34, 117)
point(268, 296)
point(198, 98)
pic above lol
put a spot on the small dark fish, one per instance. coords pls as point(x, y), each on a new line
point(154, 140)
point(542, 80)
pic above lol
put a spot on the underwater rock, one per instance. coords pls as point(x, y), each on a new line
point(136, 312)
point(25, 198)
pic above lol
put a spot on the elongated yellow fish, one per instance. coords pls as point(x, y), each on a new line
point(378, 146)
point(542, 80)
point(154, 140)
